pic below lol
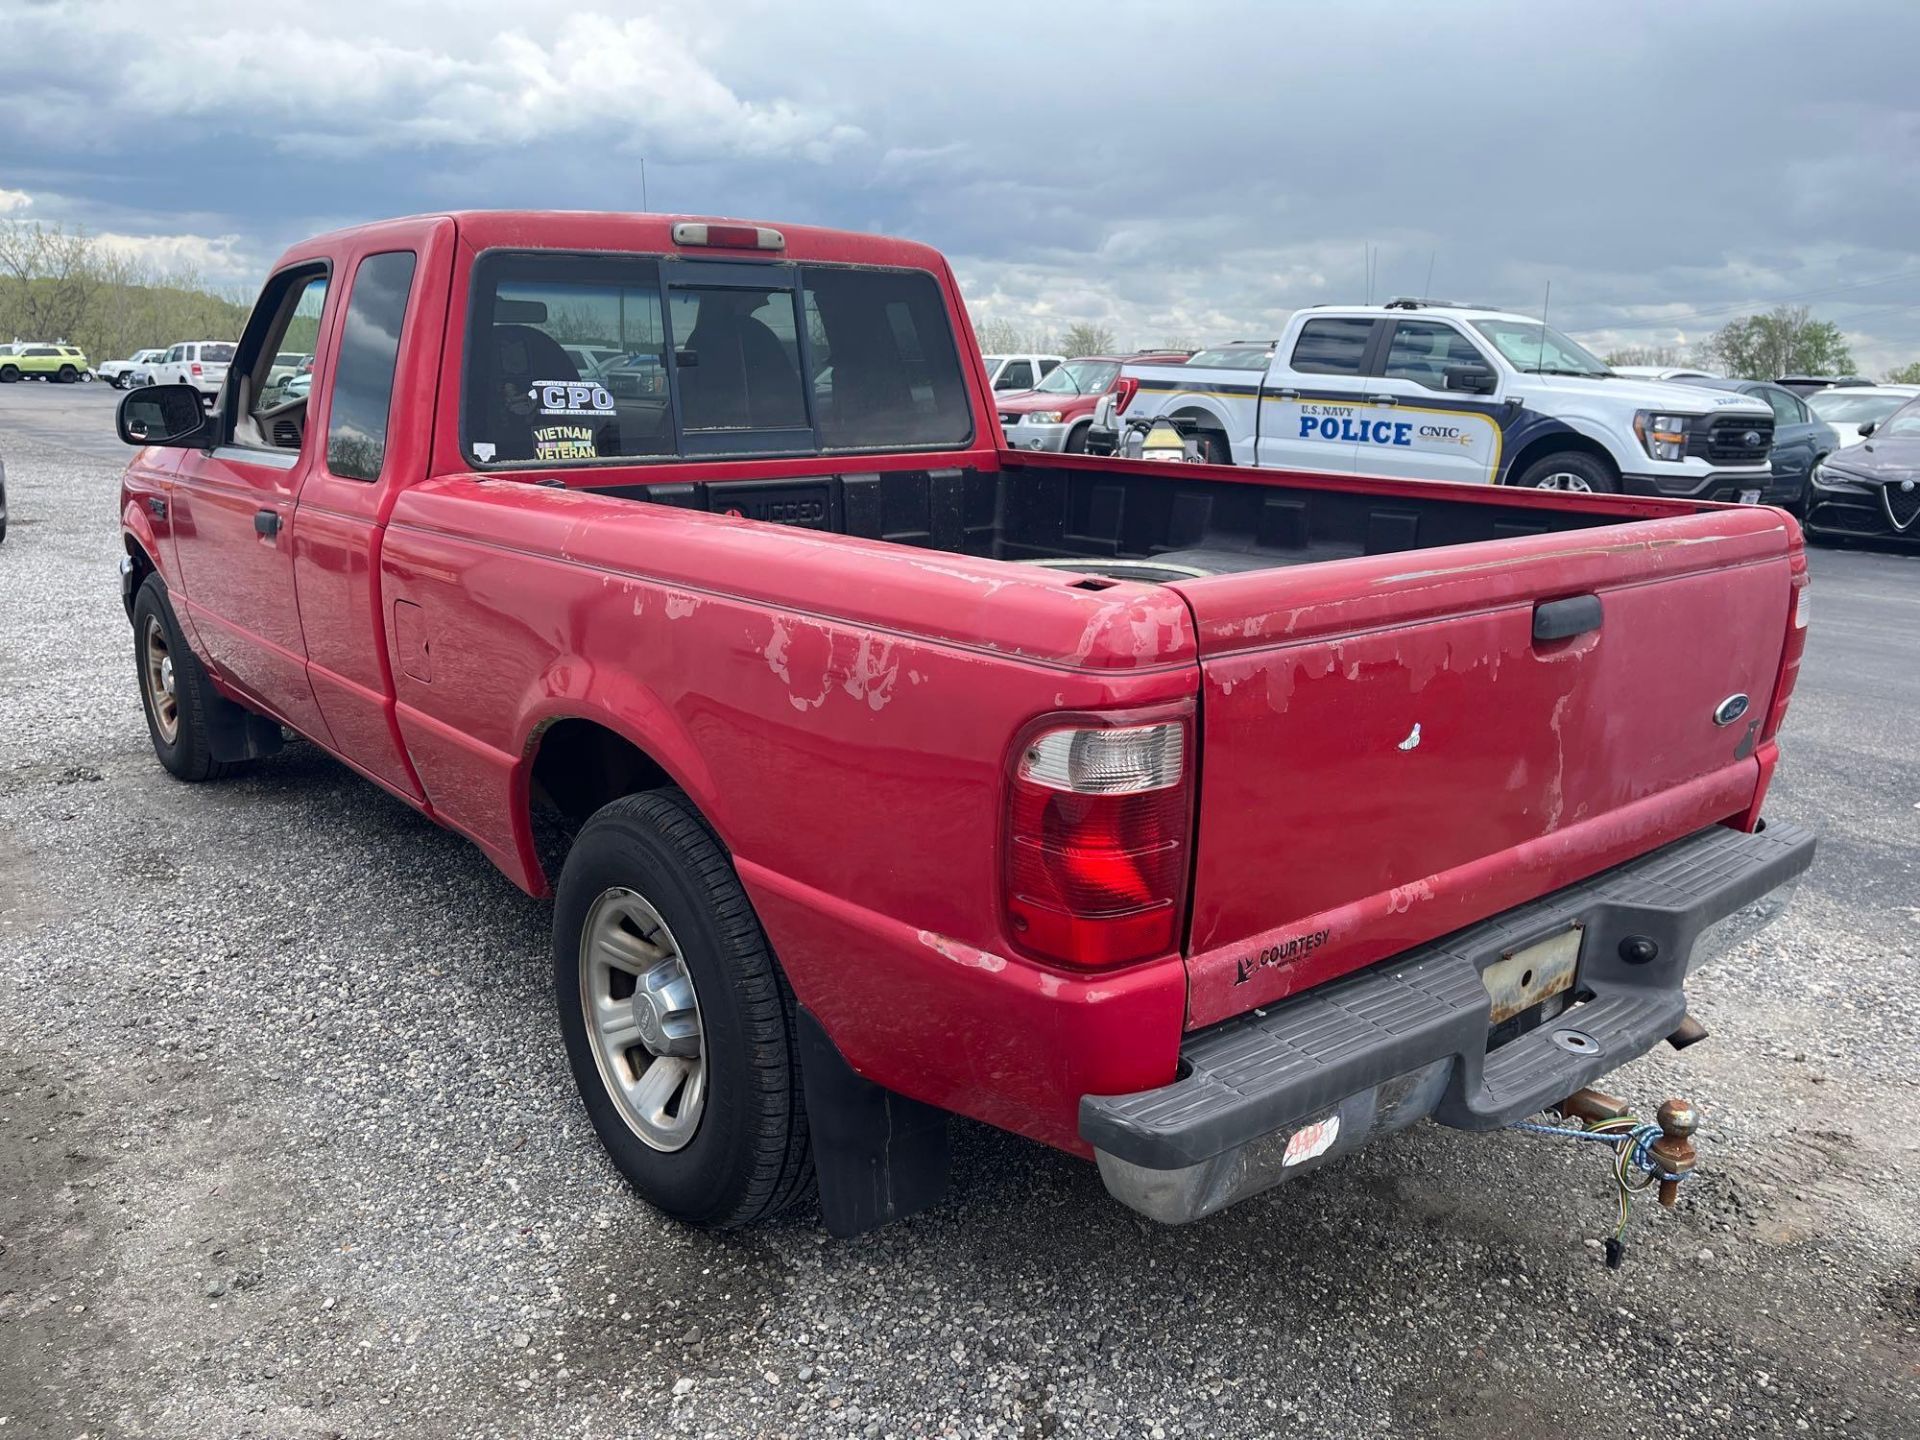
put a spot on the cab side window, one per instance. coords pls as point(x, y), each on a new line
point(267, 411)
point(1017, 376)
point(1332, 346)
point(1423, 351)
point(1787, 409)
point(363, 374)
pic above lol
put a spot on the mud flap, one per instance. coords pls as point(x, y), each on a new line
point(879, 1156)
point(237, 733)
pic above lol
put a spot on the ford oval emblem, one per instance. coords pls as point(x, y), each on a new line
point(1730, 709)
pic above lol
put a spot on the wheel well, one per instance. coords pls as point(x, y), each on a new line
point(1207, 421)
point(143, 566)
point(1555, 444)
point(578, 767)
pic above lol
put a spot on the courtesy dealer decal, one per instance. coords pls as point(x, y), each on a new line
point(1297, 948)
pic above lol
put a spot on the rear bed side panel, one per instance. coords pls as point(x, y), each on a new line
point(854, 769)
point(1395, 755)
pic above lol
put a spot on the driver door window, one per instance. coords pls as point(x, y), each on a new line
point(272, 399)
point(1018, 375)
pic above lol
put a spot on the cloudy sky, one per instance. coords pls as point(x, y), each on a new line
point(1168, 170)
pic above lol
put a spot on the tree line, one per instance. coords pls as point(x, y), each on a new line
point(68, 287)
point(1786, 340)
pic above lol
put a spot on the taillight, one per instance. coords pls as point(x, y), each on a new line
point(1124, 389)
point(1798, 613)
point(1098, 820)
point(195, 368)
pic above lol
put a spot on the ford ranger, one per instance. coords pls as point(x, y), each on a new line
point(1200, 820)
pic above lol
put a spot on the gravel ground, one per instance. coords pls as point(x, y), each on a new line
point(288, 1146)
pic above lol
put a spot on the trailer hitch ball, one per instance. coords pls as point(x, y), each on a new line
point(1673, 1151)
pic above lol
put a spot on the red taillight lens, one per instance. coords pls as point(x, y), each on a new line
point(195, 368)
point(1097, 842)
point(1799, 611)
point(1124, 389)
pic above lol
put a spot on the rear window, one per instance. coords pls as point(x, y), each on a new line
point(575, 358)
point(1332, 346)
point(221, 354)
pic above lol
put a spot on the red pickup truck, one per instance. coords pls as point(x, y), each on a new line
point(1206, 821)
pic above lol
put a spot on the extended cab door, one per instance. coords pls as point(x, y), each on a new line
point(1314, 392)
point(1432, 406)
point(372, 396)
point(232, 504)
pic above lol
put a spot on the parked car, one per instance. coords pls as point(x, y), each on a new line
point(590, 360)
point(63, 364)
point(3, 499)
point(120, 373)
point(1807, 384)
point(1417, 391)
point(1058, 413)
point(1011, 373)
point(1871, 490)
point(1662, 372)
point(199, 363)
point(1801, 439)
point(1850, 409)
point(880, 771)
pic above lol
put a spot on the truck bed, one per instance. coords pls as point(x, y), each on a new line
point(1138, 521)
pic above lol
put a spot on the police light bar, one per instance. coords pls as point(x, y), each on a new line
point(741, 237)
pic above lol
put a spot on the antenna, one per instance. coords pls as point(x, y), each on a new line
point(1426, 292)
point(1540, 359)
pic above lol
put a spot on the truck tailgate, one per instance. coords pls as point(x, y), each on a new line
point(1388, 753)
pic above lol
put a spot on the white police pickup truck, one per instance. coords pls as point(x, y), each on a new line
point(1419, 391)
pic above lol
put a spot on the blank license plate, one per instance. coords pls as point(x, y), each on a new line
point(1749, 497)
point(1523, 979)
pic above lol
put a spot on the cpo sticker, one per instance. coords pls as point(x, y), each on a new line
point(570, 397)
point(1312, 1141)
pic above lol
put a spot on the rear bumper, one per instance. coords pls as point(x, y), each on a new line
point(1408, 1038)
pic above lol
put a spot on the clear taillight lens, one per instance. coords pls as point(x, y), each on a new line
point(1794, 649)
point(1099, 819)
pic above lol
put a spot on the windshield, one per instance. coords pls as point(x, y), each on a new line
point(1079, 377)
point(1906, 422)
point(1234, 357)
point(1529, 345)
point(1850, 407)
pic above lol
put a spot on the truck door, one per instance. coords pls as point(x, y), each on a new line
point(232, 504)
point(1421, 421)
point(368, 411)
point(1313, 396)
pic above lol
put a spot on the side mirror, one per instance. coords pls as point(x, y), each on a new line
point(1006, 382)
point(170, 415)
point(1473, 379)
point(1868, 428)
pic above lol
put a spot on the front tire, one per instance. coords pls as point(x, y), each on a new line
point(9, 374)
point(174, 689)
point(677, 1022)
point(1077, 440)
point(1573, 470)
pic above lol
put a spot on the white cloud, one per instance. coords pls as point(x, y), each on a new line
point(13, 200)
point(327, 83)
point(221, 260)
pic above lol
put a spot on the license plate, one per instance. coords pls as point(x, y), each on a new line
point(1522, 979)
point(1749, 497)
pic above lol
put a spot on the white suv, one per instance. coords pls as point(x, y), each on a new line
point(1415, 391)
point(199, 363)
point(1009, 373)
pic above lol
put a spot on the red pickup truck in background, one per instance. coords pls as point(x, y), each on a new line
point(1057, 414)
point(1206, 821)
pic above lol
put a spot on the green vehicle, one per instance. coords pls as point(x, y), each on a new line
point(64, 363)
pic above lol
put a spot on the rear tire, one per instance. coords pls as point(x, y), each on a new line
point(68, 375)
point(1573, 470)
point(174, 690)
point(647, 900)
